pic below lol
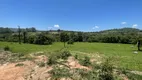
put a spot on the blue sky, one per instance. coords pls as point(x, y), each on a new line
point(79, 15)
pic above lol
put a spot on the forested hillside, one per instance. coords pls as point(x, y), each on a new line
point(33, 36)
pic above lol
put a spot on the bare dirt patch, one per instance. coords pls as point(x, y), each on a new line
point(31, 71)
point(73, 63)
point(9, 71)
point(28, 71)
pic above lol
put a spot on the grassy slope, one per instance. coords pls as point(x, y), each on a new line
point(122, 52)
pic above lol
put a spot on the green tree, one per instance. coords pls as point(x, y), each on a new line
point(5, 30)
point(43, 39)
point(64, 37)
point(33, 29)
point(80, 36)
point(19, 34)
point(25, 36)
point(139, 40)
point(31, 39)
point(139, 43)
point(58, 31)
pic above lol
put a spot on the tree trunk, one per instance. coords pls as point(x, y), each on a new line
point(138, 48)
point(19, 35)
point(64, 44)
point(139, 45)
point(24, 35)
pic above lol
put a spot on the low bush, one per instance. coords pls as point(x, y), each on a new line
point(83, 74)
point(52, 60)
point(85, 61)
point(58, 55)
point(19, 64)
point(7, 48)
point(43, 39)
point(76, 56)
point(70, 42)
point(48, 42)
point(106, 72)
point(20, 54)
point(41, 64)
point(65, 54)
point(60, 72)
point(16, 57)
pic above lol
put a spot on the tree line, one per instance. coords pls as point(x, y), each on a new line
point(32, 36)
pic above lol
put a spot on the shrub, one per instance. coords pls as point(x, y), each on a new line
point(76, 56)
point(41, 64)
point(65, 54)
point(48, 42)
point(19, 57)
point(84, 74)
point(19, 64)
point(60, 72)
point(7, 48)
point(52, 60)
point(58, 55)
point(106, 72)
point(31, 39)
point(70, 42)
point(86, 61)
point(43, 39)
point(20, 54)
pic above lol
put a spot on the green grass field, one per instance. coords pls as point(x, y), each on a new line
point(122, 53)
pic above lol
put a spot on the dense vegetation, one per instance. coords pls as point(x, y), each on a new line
point(33, 36)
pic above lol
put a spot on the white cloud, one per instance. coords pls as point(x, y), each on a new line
point(96, 27)
point(56, 26)
point(123, 23)
point(49, 27)
point(135, 26)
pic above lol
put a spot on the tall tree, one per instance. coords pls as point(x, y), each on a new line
point(25, 36)
point(33, 29)
point(64, 37)
point(19, 35)
point(58, 31)
point(80, 36)
point(72, 36)
point(139, 43)
point(139, 40)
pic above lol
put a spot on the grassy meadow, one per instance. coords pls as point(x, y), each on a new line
point(123, 54)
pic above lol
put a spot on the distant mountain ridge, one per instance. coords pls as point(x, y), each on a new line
point(125, 30)
point(122, 30)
